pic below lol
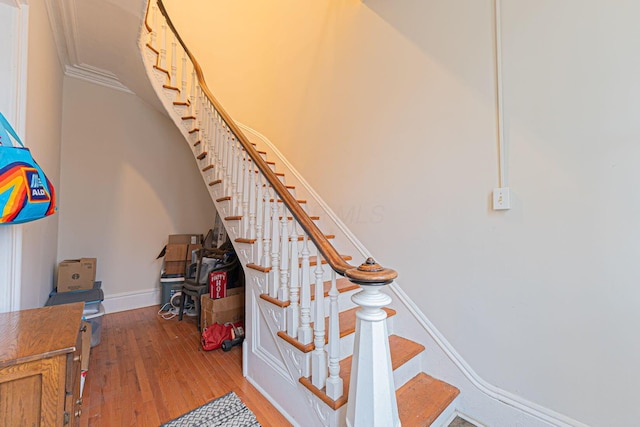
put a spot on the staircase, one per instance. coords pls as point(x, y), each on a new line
point(321, 342)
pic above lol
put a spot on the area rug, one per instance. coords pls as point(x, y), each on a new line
point(225, 411)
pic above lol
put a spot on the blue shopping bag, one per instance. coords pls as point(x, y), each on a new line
point(26, 194)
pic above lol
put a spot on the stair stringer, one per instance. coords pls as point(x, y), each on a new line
point(274, 366)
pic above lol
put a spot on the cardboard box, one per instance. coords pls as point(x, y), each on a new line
point(176, 252)
point(217, 284)
point(191, 256)
point(76, 274)
point(175, 267)
point(223, 310)
point(186, 239)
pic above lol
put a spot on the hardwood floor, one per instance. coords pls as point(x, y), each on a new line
point(147, 371)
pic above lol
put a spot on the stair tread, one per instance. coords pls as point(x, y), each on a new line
point(422, 400)
point(401, 349)
point(300, 238)
point(347, 320)
point(342, 284)
point(312, 260)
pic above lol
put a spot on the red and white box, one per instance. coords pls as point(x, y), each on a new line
point(217, 284)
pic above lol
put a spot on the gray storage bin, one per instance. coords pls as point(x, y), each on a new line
point(96, 325)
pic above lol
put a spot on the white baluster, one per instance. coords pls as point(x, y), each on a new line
point(226, 147)
point(214, 142)
point(274, 279)
point(163, 46)
point(334, 382)
point(209, 136)
point(199, 114)
point(183, 78)
point(259, 215)
point(229, 168)
point(154, 27)
point(232, 168)
point(192, 93)
point(283, 292)
point(266, 223)
point(215, 125)
point(194, 108)
point(251, 208)
point(319, 354)
point(293, 311)
point(174, 65)
point(221, 175)
point(246, 193)
point(305, 333)
point(237, 195)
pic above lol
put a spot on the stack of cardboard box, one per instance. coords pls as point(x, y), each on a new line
point(180, 252)
point(222, 310)
point(76, 281)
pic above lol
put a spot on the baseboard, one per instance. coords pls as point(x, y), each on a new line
point(273, 402)
point(131, 300)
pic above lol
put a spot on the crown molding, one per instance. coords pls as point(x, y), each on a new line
point(95, 75)
point(15, 3)
point(63, 18)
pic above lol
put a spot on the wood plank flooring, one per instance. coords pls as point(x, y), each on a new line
point(147, 371)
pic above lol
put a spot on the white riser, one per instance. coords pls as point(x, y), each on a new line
point(407, 371)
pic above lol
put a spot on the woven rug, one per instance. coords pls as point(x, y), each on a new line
point(225, 411)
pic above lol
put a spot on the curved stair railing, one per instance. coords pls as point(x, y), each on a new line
point(283, 237)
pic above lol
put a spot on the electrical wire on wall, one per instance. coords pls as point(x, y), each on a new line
point(501, 196)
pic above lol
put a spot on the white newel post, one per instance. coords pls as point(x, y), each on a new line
point(372, 394)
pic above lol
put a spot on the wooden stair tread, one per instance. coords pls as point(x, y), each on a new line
point(253, 241)
point(313, 260)
point(153, 49)
point(302, 202)
point(342, 284)
point(290, 218)
point(422, 400)
point(347, 320)
point(401, 349)
point(162, 70)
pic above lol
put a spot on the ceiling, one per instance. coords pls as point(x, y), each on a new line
point(97, 40)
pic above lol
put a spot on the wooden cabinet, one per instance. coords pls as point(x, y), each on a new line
point(40, 356)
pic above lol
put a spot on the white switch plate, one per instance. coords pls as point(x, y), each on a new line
point(501, 199)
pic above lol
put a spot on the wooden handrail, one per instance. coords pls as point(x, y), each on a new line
point(369, 272)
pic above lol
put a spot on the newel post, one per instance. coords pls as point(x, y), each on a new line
point(372, 394)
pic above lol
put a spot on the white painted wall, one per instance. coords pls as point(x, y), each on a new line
point(128, 180)
point(13, 48)
point(32, 100)
point(42, 136)
point(388, 109)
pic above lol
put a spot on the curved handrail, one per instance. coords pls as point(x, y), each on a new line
point(369, 272)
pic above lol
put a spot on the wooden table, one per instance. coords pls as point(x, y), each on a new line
point(40, 356)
